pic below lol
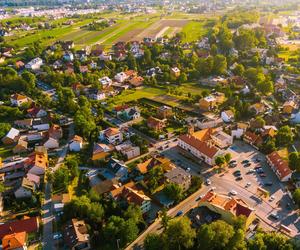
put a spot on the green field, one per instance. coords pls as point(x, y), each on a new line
point(194, 30)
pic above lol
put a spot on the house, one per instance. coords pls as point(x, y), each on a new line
point(76, 143)
point(253, 139)
point(21, 147)
point(279, 166)
point(34, 64)
point(228, 208)
point(40, 124)
point(239, 130)
point(36, 112)
point(227, 116)
point(84, 69)
point(33, 178)
point(131, 113)
point(180, 177)
point(51, 143)
point(105, 57)
point(258, 108)
point(101, 151)
point(175, 72)
point(128, 150)
point(136, 81)
point(208, 103)
point(68, 56)
point(105, 186)
point(28, 225)
point(118, 168)
point(97, 94)
point(19, 64)
point(289, 107)
point(11, 137)
point(67, 45)
point(164, 112)
point(155, 123)
point(15, 241)
point(146, 166)
point(121, 77)
point(38, 162)
point(26, 123)
point(55, 131)
point(105, 81)
point(76, 235)
point(131, 195)
point(26, 189)
point(18, 100)
point(111, 135)
point(204, 151)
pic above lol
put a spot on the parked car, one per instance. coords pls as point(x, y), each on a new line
point(57, 236)
point(237, 173)
point(199, 198)
point(262, 175)
point(248, 184)
point(257, 160)
point(274, 216)
point(239, 178)
point(233, 192)
point(250, 171)
point(208, 182)
point(247, 164)
point(271, 198)
point(245, 161)
point(257, 167)
point(232, 161)
point(268, 184)
point(179, 213)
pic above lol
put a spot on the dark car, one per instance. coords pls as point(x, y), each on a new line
point(239, 178)
point(245, 161)
point(257, 160)
point(262, 175)
point(260, 171)
point(247, 164)
point(257, 167)
point(237, 173)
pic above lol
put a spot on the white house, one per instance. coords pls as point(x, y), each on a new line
point(227, 116)
point(51, 143)
point(76, 143)
point(121, 77)
point(18, 100)
point(111, 135)
point(68, 56)
point(11, 137)
point(97, 95)
point(34, 64)
point(105, 81)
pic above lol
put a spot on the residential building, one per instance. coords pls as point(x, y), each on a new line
point(18, 100)
point(289, 107)
point(105, 81)
point(11, 137)
point(208, 103)
point(128, 150)
point(180, 177)
point(101, 151)
point(228, 207)
point(76, 143)
point(51, 143)
point(38, 162)
point(34, 64)
point(15, 241)
point(146, 166)
point(111, 136)
point(131, 195)
point(21, 147)
point(258, 108)
point(279, 166)
point(203, 150)
point(164, 112)
point(25, 189)
point(69, 57)
point(175, 72)
point(118, 168)
point(136, 81)
point(105, 186)
point(76, 235)
point(97, 94)
point(253, 139)
point(55, 131)
point(121, 77)
point(131, 113)
point(227, 116)
point(36, 112)
point(156, 124)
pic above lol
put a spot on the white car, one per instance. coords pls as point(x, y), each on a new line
point(233, 192)
point(272, 198)
point(248, 184)
point(208, 181)
point(57, 236)
point(213, 188)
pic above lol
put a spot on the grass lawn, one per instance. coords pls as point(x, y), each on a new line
point(194, 30)
point(193, 88)
point(5, 152)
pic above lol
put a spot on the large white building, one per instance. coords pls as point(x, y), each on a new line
point(34, 64)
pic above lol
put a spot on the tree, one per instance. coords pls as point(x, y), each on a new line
point(268, 146)
point(239, 70)
point(227, 158)
point(61, 178)
point(214, 236)
point(294, 161)
point(30, 80)
point(284, 136)
point(245, 40)
point(174, 191)
point(220, 65)
point(220, 160)
point(154, 242)
point(179, 233)
point(135, 213)
point(4, 128)
point(296, 196)
point(2, 187)
point(165, 218)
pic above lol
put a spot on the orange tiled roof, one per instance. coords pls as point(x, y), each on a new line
point(18, 97)
point(14, 241)
point(281, 165)
point(204, 147)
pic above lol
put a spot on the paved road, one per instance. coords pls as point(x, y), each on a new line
point(47, 208)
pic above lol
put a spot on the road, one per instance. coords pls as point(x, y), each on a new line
point(47, 207)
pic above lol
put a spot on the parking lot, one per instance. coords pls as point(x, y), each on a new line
point(278, 202)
